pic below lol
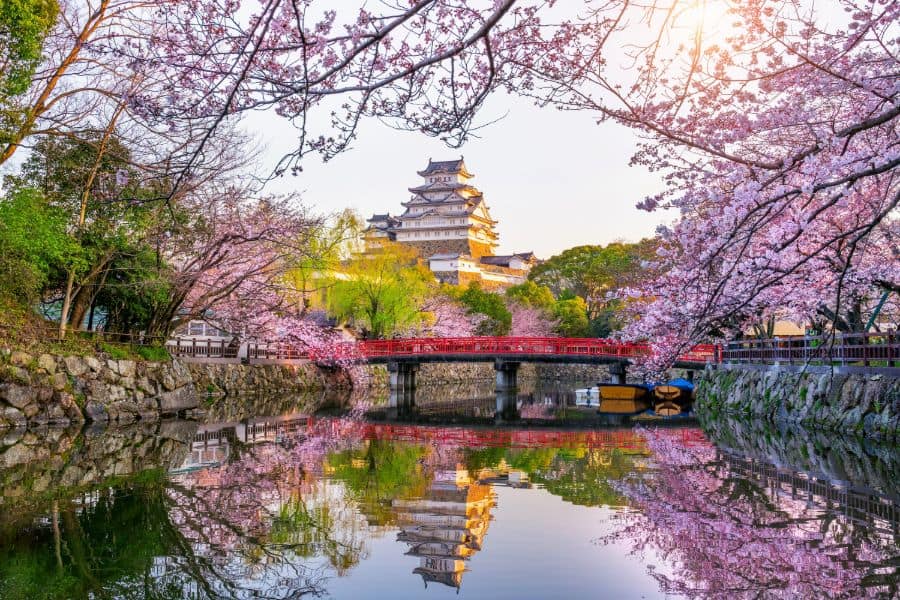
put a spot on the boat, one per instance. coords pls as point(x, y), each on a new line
point(673, 398)
point(623, 398)
point(587, 397)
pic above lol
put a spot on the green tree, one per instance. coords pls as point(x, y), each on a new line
point(133, 289)
point(492, 306)
point(532, 294)
point(381, 292)
point(24, 24)
point(326, 246)
point(571, 314)
point(94, 184)
point(34, 245)
point(593, 273)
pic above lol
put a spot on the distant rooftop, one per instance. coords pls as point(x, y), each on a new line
point(506, 259)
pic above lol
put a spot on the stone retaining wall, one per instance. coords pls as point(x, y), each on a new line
point(443, 373)
point(49, 389)
point(237, 378)
point(816, 398)
point(73, 389)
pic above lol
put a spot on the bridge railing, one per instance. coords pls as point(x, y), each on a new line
point(275, 352)
point(865, 349)
point(202, 348)
point(506, 346)
point(501, 346)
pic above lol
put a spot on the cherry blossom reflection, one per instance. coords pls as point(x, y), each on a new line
point(731, 527)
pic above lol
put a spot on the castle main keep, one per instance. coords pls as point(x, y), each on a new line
point(448, 222)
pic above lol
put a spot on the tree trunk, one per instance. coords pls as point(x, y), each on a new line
point(80, 304)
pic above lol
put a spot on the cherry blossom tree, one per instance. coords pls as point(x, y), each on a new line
point(229, 257)
point(777, 135)
point(447, 318)
point(773, 125)
point(531, 321)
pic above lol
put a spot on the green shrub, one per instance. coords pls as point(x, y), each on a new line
point(115, 352)
point(153, 353)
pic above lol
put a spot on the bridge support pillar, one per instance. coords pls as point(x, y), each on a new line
point(402, 375)
point(617, 371)
point(507, 374)
point(402, 389)
point(506, 390)
point(689, 375)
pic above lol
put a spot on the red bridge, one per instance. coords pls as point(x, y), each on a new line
point(861, 351)
point(513, 349)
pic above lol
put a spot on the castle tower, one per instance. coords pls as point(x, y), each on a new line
point(446, 214)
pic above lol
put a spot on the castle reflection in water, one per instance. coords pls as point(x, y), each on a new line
point(445, 522)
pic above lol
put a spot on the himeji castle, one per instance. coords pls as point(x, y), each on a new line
point(448, 221)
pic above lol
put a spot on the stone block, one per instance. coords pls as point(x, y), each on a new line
point(93, 364)
point(19, 375)
point(13, 416)
point(126, 368)
point(17, 395)
point(59, 381)
point(76, 365)
point(143, 384)
point(20, 359)
point(168, 382)
point(47, 363)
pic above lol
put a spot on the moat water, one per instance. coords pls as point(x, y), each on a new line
point(455, 497)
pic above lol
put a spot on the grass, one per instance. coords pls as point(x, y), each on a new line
point(115, 352)
point(153, 353)
point(25, 330)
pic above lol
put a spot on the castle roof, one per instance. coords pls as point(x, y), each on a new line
point(445, 166)
point(451, 198)
point(442, 186)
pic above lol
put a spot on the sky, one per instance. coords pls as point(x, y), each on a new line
point(552, 179)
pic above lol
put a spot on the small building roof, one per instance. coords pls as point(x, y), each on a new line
point(385, 218)
point(503, 260)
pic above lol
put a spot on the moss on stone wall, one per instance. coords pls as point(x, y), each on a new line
point(869, 404)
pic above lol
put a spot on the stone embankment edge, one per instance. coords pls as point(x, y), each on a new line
point(55, 389)
point(820, 398)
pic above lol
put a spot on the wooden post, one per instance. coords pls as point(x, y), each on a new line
point(864, 340)
point(890, 350)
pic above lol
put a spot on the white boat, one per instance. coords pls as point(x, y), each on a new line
point(588, 397)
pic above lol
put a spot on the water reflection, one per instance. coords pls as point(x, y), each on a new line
point(299, 504)
point(737, 526)
point(479, 403)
